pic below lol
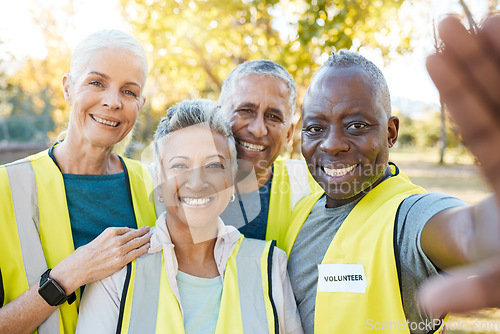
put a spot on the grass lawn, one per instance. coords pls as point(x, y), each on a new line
point(459, 176)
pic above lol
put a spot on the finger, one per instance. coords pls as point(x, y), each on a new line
point(490, 29)
point(114, 231)
point(134, 233)
point(473, 56)
point(486, 217)
point(136, 242)
point(453, 294)
point(135, 253)
point(459, 293)
point(478, 126)
point(486, 152)
point(467, 108)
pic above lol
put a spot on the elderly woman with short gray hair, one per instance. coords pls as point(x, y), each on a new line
point(77, 212)
point(199, 276)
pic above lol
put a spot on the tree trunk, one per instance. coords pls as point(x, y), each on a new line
point(5, 130)
point(443, 140)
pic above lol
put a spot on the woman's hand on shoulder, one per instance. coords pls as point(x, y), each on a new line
point(114, 248)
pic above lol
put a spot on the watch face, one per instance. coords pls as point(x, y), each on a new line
point(51, 293)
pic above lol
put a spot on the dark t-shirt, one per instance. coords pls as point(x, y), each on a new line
point(96, 202)
point(249, 212)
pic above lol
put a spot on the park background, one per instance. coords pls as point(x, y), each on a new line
point(193, 44)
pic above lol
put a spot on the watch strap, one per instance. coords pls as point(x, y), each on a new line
point(44, 278)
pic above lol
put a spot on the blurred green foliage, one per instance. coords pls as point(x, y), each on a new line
point(425, 131)
point(193, 44)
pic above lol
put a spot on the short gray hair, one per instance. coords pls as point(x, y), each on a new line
point(105, 39)
point(261, 67)
point(345, 59)
point(193, 112)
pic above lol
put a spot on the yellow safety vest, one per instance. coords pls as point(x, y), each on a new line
point(36, 230)
point(150, 305)
point(291, 182)
point(365, 241)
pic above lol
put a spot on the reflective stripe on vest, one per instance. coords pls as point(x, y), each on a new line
point(146, 293)
point(291, 182)
point(23, 189)
point(246, 302)
point(143, 186)
point(253, 304)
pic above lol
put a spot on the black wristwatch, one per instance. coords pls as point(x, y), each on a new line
point(52, 292)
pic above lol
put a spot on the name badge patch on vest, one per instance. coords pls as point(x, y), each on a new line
point(341, 278)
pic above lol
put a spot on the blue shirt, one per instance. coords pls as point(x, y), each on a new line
point(96, 202)
point(249, 212)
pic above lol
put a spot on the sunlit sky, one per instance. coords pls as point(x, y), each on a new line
point(406, 75)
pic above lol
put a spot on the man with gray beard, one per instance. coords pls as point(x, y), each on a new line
point(259, 97)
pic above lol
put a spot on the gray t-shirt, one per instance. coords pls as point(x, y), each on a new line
point(323, 223)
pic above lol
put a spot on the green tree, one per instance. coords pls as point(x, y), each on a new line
point(194, 44)
point(38, 109)
point(426, 132)
point(406, 134)
point(38, 92)
point(5, 106)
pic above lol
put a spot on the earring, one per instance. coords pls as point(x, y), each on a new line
point(160, 199)
point(233, 197)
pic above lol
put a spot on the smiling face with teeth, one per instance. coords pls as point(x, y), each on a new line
point(197, 181)
point(105, 99)
point(260, 120)
point(346, 134)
